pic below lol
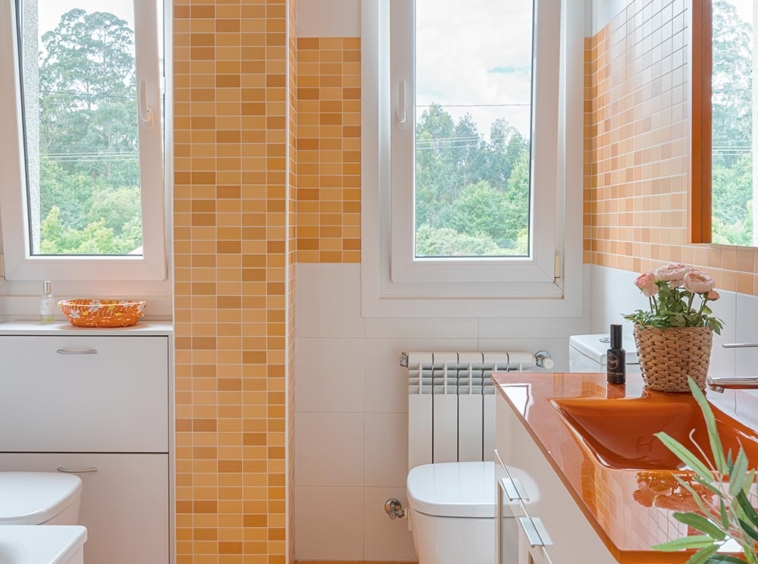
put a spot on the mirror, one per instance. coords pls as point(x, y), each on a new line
point(723, 62)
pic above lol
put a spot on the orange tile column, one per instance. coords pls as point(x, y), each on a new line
point(232, 279)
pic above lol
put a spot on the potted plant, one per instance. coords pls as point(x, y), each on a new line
point(729, 515)
point(674, 336)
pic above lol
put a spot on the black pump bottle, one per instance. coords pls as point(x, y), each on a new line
point(616, 360)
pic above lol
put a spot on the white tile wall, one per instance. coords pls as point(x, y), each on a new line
point(329, 523)
point(329, 449)
point(330, 375)
point(336, 398)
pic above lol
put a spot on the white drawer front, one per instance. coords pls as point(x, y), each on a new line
point(84, 394)
point(125, 504)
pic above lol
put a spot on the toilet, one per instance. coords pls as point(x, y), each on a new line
point(452, 512)
point(451, 506)
point(39, 498)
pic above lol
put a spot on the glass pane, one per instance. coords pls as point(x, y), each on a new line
point(733, 177)
point(80, 121)
point(473, 123)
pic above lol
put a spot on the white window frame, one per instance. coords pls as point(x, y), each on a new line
point(19, 264)
point(549, 282)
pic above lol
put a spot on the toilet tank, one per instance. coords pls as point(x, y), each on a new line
point(587, 353)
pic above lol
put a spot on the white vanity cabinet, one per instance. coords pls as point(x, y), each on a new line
point(551, 527)
point(97, 404)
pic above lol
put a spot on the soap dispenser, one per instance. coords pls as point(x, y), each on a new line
point(47, 303)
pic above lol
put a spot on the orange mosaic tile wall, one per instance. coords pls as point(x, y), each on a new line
point(636, 147)
point(232, 269)
point(329, 149)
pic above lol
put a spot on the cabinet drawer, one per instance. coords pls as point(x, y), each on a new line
point(84, 394)
point(125, 504)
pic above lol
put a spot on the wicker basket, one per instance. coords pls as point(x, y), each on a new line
point(102, 313)
point(669, 356)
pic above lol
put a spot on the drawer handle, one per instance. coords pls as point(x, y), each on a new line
point(535, 532)
point(78, 471)
point(76, 351)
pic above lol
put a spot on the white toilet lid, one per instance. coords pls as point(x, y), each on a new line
point(32, 498)
point(456, 489)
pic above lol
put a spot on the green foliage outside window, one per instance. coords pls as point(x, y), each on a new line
point(88, 138)
point(732, 188)
point(472, 194)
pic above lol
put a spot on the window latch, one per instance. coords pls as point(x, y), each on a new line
point(402, 113)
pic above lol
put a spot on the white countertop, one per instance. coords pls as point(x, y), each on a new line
point(37, 544)
point(141, 329)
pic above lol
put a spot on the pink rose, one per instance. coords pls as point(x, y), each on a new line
point(698, 282)
point(672, 271)
point(713, 295)
point(677, 283)
point(646, 283)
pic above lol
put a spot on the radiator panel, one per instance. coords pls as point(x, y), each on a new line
point(451, 404)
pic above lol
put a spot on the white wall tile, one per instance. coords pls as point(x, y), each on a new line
point(329, 300)
point(527, 328)
point(329, 449)
point(385, 449)
point(723, 361)
point(329, 523)
point(329, 375)
point(614, 295)
point(746, 332)
point(386, 539)
point(422, 327)
point(386, 381)
point(558, 349)
point(328, 18)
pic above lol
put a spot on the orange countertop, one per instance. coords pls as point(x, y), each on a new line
point(631, 510)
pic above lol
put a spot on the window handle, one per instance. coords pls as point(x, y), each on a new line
point(402, 113)
point(146, 113)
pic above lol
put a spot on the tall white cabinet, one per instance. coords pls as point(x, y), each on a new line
point(97, 403)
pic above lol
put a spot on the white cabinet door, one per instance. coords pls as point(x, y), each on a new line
point(84, 394)
point(125, 504)
point(546, 500)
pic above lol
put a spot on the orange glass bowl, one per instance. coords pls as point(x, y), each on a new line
point(102, 313)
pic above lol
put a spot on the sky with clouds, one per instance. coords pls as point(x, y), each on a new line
point(475, 53)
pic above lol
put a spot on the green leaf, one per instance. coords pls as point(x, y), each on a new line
point(751, 532)
point(747, 508)
point(710, 422)
point(686, 456)
point(701, 556)
point(694, 495)
point(724, 516)
point(737, 476)
point(702, 524)
point(725, 558)
point(697, 541)
point(708, 486)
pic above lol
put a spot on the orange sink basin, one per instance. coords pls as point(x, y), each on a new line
point(619, 432)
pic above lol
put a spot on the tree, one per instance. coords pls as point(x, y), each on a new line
point(472, 194)
point(89, 166)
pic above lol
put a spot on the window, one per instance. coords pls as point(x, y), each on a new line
point(82, 140)
point(732, 173)
point(474, 186)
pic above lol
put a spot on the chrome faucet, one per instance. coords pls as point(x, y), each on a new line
point(721, 383)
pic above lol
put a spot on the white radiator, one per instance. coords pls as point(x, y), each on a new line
point(451, 404)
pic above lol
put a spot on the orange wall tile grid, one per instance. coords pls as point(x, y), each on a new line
point(329, 145)
point(232, 270)
point(636, 149)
